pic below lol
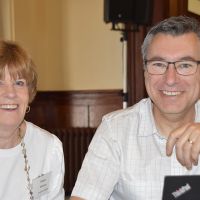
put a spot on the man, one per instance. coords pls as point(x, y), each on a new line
point(134, 149)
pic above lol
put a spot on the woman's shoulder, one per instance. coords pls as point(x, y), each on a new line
point(36, 133)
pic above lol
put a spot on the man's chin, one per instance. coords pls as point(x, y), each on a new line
point(174, 109)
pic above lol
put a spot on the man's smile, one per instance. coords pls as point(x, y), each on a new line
point(171, 93)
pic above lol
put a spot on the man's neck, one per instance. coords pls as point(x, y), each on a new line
point(166, 123)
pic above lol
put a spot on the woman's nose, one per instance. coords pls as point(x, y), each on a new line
point(9, 90)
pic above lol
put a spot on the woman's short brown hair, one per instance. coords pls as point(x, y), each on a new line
point(20, 65)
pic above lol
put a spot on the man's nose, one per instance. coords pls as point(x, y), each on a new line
point(171, 74)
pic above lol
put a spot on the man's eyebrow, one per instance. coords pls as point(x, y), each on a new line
point(165, 59)
point(187, 58)
point(157, 58)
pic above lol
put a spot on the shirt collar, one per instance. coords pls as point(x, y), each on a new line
point(148, 126)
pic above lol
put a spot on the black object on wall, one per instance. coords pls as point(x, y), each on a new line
point(123, 11)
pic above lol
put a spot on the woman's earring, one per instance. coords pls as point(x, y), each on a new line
point(28, 109)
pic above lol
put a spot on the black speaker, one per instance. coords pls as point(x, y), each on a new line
point(123, 11)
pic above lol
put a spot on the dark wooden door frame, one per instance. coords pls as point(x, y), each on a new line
point(135, 77)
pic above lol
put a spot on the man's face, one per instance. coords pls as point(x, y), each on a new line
point(173, 93)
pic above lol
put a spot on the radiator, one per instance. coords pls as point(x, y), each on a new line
point(75, 144)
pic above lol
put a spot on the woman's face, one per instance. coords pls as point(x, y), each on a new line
point(14, 98)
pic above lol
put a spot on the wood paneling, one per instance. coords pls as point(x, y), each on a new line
point(63, 109)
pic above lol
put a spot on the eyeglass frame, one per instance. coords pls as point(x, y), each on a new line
point(174, 63)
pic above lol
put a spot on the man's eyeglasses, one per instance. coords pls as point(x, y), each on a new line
point(183, 67)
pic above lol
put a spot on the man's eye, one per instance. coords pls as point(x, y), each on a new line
point(159, 64)
point(20, 82)
point(185, 65)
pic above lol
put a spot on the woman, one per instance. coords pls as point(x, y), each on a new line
point(31, 159)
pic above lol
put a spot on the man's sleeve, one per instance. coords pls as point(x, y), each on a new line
point(100, 169)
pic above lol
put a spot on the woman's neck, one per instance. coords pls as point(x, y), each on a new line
point(11, 137)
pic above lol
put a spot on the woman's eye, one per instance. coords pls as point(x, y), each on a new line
point(20, 82)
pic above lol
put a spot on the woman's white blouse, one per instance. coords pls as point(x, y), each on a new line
point(44, 154)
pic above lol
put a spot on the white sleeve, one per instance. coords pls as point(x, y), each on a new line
point(100, 169)
point(58, 170)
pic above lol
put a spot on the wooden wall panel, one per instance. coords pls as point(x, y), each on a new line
point(63, 109)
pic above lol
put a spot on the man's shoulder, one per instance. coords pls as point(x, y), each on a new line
point(139, 108)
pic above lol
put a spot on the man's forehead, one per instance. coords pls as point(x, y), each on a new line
point(165, 45)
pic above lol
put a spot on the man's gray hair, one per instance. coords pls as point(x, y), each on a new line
point(174, 26)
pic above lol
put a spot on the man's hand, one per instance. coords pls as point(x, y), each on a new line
point(186, 141)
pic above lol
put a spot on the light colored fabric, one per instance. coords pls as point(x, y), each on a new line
point(44, 153)
point(127, 158)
